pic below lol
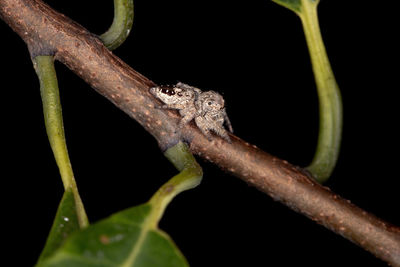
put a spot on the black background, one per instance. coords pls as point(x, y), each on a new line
point(254, 53)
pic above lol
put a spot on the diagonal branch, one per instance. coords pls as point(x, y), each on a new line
point(47, 32)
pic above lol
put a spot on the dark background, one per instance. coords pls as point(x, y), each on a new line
point(254, 53)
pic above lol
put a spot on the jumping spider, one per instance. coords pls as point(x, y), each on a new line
point(206, 108)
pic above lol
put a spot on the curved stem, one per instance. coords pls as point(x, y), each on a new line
point(121, 26)
point(189, 177)
point(44, 66)
point(330, 102)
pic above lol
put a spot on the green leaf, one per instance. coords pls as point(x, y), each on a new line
point(123, 239)
point(294, 5)
point(131, 237)
point(65, 223)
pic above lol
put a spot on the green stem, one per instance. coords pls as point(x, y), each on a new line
point(44, 66)
point(121, 26)
point(189, 177)
point(330, 102)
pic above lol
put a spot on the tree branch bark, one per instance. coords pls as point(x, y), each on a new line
point(47, 32)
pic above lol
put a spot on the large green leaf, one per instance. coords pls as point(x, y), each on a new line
point(124, 239)
point(65, 223)
point(132, 237)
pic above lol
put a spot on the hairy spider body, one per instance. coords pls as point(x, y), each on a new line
point(206, 108)
point(181, 97)
point(212, 115)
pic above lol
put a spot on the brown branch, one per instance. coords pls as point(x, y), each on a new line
point(47, 32)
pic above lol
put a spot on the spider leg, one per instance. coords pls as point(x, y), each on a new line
point(171, 106)
point(203, 127)
point(185, 120)
point(220, 131)
point(227, 121)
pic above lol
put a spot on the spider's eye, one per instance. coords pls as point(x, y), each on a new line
point(179, 94)
point(209, 103)
point(167, 91)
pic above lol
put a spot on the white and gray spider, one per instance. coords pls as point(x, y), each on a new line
point(206, 108)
